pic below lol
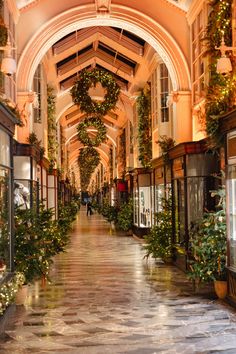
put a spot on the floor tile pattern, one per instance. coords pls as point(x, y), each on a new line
point(104, 298)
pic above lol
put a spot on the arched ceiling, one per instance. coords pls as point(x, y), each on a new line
point(118, 51)
point(128, 57)
point(24, 4)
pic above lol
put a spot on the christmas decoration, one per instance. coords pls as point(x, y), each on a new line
point(83, 135)
point(52, 127)
point(144, 129)
point(220, 97)
point(87, 79)
point(8, 291)
point(88, 160)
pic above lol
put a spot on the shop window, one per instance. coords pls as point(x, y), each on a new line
point(198, 57)
point(5, 204)
point(231, 193)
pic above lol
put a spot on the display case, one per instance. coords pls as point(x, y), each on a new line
point(192, 180)
point(26, 183)
point(52, 192)
point(142, 201)
point(7, 127)
point(231, 198)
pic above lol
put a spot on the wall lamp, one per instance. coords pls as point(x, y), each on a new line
point(8, 65)
point(223, 65)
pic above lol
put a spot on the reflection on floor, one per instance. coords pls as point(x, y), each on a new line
point(104, 298)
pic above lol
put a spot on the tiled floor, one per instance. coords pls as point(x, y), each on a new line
point(104, 298)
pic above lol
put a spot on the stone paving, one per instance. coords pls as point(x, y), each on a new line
point(104, 298)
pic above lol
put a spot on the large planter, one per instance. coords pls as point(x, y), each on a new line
point(220, 288)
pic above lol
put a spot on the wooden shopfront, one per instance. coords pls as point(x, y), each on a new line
point(228, 129)
point(191, 179)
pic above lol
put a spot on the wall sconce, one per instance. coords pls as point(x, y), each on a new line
point(223, 65)
point(8, 65)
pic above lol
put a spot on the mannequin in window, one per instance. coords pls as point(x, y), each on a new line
point(21, 196)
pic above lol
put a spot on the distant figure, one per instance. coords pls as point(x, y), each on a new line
point(89, 209)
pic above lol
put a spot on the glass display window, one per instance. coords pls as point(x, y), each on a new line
point(231, 214)
point(145, 206)
point(5, 218)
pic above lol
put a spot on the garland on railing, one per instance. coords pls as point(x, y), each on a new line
point(220, 97)
point(52, 127)
point(144, 128)
point(88, 160)
point(8, 291)
point(83, 135)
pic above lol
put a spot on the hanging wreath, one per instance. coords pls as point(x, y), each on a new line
point(87, 79)
point(88, 160)
point(83, 135)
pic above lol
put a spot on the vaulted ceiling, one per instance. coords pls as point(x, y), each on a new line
point(118, 51)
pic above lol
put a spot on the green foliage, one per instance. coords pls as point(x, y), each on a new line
point(8, 291)
point(159, 240)
point(165, 144)
point(33, 140)
point(3, 35)
point(88, 160)
point(144, 129)
point(109, 212)
point(38, 238)
point(220, 96)
point(208, 244)
point(125, 216)
point(52, 127)
point(83, 135)
point(87, 79)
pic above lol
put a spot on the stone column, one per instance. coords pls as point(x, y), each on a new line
point(182, 116)
point(24, 102)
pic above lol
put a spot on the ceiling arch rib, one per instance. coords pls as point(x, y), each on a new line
point(120, 17)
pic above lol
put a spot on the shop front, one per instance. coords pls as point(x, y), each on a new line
point(26, 184)
point(142, 179)
point(7, 127)
point(192, 181)
point(228, 128)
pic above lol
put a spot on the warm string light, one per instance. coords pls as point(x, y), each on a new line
point(8, 291)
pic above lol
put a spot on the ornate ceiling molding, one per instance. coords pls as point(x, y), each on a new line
point(120, 16)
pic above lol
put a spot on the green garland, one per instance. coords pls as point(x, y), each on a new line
point(83, 133)
point(165, 143)
point(88, 160)
point(8, 291)
point(52, 128)
point(220, 95)
point(87, 79)
point(144, 129)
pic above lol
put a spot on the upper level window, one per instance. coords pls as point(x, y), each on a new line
point(199, 64)
point(8, 83)
point(160, 89)
point(38, 90)
point(164, 91)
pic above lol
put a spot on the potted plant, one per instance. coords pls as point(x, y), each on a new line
point(159, 240)
point(208, 247)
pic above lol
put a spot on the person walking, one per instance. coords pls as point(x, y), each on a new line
point(89, 209)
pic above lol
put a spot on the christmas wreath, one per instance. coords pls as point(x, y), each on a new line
point(83, 135)
point(88, 160)
point(87, 79)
